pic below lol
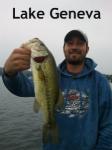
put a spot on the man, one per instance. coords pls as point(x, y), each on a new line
point(85, 122)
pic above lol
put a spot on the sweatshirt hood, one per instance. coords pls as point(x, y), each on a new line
point(89, 66)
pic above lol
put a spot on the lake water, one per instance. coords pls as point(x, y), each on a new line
point(20, 127)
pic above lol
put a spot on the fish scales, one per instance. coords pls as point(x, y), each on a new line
point(46, 85)
point(50, 92)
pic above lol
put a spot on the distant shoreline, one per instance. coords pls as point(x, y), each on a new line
point(29, 74)
point(26, 72)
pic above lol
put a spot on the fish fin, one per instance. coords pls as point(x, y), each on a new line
point(36, 106)
point(50, 134)
point(60, 102)
point(41, 73)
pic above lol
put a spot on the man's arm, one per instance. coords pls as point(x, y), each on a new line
point(12, 76)
point(104, 141)
point(19, 84)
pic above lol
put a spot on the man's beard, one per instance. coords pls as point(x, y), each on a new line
point(76, 61)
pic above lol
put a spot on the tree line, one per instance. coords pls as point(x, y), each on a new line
point(29, 74)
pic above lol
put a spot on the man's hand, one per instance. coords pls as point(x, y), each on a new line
point(19, 60)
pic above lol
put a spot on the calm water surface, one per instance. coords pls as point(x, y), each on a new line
point(20, 127)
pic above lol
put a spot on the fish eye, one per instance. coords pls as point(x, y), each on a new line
point(41, 44)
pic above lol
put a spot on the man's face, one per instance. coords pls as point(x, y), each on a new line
point(75, 51)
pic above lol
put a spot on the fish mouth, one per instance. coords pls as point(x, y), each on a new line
point(39, 59)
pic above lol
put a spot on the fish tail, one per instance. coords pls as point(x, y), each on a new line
point(50, 134)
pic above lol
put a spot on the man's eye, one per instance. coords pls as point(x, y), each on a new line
point(80, 43)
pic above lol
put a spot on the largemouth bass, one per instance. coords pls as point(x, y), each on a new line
point(46, 85)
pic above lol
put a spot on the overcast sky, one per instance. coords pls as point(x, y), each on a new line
point(99, 31)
